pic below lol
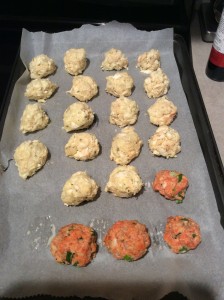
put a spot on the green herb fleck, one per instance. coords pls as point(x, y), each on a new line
point(179, 176)
point(194, 235)
point(76, 264)
point(183, 249)
point(69, 256)
point(179, 201)
point(180, 195)
point(128, 258)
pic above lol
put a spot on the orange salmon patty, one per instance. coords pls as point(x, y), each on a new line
point(127, 239)
point(74, 244)
point(171, 184)
point(182, 234)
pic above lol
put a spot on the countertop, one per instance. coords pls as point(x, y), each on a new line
point(212, 91)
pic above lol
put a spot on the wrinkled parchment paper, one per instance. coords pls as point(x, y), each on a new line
point(31, 211)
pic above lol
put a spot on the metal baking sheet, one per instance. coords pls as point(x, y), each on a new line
point(32, 209)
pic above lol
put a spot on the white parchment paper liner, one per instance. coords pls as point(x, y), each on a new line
point(31, 210)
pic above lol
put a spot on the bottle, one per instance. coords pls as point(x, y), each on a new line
point(215, 65)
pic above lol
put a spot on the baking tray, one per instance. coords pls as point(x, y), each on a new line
point(198, 111)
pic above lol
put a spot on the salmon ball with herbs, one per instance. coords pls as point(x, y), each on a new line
point(171, 184)
point(128, 240)
point(74, 244)
point(182, 234)
point(114, 60)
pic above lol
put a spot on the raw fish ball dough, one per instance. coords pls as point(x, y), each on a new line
point(78, 116)
point(114, 60)
point(40, 89)
point(30, 156)
point(84, 88)
point(82, 146)
point(41, 66)
point(78, 188)
point(120, 84)
point(149, 61)
point(126, 146)
point(124, 111)
point(124, 182)
point(165, 142)
point(34, 118)
point(157, 84)
point(75, 61)
point(162, 112)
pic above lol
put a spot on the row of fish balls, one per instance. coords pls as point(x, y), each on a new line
point(84, 88)
point(124, 182)
point(42, 65)
point(75, 62)
point(76, 244)
point(126, 145)
point(124, 111)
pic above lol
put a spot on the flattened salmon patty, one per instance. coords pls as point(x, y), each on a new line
point(171, 184)
point(74, 244)
point(128, 240)
point(182, 234)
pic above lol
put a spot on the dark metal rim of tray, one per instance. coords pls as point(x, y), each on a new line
point(201, 122)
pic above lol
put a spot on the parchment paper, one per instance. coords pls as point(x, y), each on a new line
point(32, 210)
